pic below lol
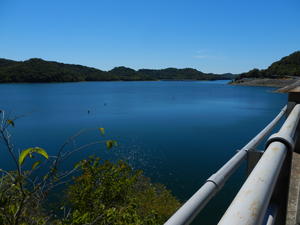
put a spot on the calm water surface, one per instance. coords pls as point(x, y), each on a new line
point(178, 132)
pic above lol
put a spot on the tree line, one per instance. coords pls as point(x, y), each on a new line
point(285, 67)
point(39, 70)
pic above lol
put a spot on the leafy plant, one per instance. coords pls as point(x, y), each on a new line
point(100, 192)
point(113, 193)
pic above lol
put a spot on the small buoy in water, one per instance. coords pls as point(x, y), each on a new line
point(104, 104)
point(88, 111)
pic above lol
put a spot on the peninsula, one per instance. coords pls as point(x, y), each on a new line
point(281, 73)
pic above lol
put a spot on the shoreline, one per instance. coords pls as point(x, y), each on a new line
point(264, 82)
point(90, 81)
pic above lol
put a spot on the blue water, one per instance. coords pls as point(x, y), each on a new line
point(178, 132)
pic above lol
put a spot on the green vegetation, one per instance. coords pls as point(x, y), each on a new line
point(287, 66)
point(108, 193)
point(38, 70)
point(99, 192)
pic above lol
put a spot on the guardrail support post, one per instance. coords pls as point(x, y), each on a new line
point(253, 156)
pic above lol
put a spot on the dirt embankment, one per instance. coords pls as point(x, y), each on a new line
point(267, 82)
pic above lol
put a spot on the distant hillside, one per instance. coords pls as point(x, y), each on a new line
point(287, 66)
point(38, 70)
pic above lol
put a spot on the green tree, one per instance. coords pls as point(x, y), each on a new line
point(113, 193)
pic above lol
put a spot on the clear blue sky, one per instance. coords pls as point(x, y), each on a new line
point(209, 35)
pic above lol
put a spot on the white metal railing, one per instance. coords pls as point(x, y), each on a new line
point(193, 206)
point(250, 204)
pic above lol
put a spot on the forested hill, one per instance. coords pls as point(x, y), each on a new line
point(287, 66)
point(38, 70)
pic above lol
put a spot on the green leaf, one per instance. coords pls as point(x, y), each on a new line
point(102, 130)
point(11, 122)
point(84, 216)
point(78, 164)
point(29, 152)
point(23, 155)
point(111, 143)
point(12, 209)
point(45, 177)
point(34, 165)
point(41, 152)
point(115, 143)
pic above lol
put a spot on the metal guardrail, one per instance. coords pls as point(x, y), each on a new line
point(251, 203)
point(193, 206)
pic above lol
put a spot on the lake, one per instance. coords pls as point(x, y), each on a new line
point(178, 132)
